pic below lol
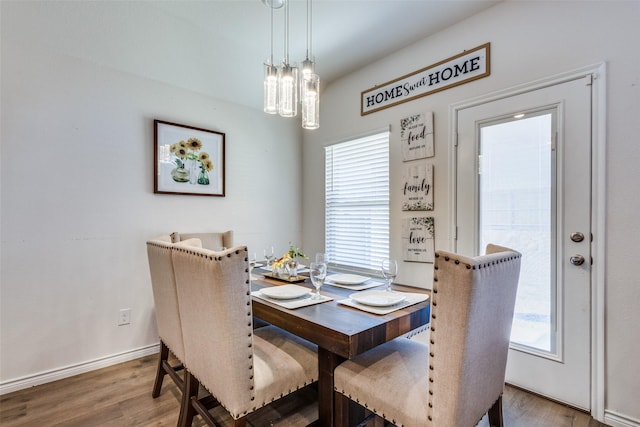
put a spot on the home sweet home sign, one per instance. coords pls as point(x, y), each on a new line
point(467, 66)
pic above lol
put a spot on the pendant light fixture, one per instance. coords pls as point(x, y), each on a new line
point(311, 101)
point(284, 89)
point(271, 77)
point(308, 66)
point(287, 76)
point(310, 83)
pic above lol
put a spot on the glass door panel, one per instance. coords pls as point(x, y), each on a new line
point(516, 170)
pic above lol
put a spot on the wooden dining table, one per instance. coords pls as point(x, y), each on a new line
point(339, 331)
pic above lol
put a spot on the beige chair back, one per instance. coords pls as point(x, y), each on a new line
point(473, 301)
point(164, 294)
point(212, 241)
point(215, 305)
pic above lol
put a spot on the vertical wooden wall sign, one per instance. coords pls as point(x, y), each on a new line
point(416, 136)
point(417, 239)
point(417, 187)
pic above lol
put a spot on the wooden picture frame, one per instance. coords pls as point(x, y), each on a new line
point(188, 160)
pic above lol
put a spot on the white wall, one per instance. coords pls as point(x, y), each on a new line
point(78, 203)
point(529, 40)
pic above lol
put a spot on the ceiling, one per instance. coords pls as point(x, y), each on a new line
point(217, 47)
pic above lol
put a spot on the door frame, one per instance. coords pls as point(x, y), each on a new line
point(598, 202)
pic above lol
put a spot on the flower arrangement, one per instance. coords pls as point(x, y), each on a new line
point(291, 255)
point(190, 150)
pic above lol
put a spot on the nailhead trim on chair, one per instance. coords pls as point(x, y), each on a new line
point(249, 335)
point(249, 325)
point(434, 304)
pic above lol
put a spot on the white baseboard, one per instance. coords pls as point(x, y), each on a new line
point(80, 368)
point(618, 420)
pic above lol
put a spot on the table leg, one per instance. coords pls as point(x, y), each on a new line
point(327, 362)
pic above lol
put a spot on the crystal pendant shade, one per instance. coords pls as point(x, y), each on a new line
point(288, 91)
point(308, 67)
point(270, 89)
point(310, 99)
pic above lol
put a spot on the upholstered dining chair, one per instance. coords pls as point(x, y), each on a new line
point(458, 375)
point(210, 240)
point(167, 312)
point(243, 369)
point(214, 241)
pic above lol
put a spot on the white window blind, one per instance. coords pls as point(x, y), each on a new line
point(357, 202)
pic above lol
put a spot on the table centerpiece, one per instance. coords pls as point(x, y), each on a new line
point(286, 267)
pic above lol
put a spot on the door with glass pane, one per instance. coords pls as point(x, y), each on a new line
point(523, 180)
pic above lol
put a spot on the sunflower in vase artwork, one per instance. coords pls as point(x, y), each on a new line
point(206, 166)
point(180, 151)
point(188, 158)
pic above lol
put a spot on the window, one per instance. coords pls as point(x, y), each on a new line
point(357, 202)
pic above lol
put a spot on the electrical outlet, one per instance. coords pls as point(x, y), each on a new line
point(124, 317)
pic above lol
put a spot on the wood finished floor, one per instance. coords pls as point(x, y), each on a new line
point(120, 395)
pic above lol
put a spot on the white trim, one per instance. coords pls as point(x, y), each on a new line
point(527, 87)
point(614, 419)
point(598, 225)
point(79, 368)
point(598, 184)
point(453, 167)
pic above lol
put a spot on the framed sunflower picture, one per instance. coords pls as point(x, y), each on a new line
point(188, 160)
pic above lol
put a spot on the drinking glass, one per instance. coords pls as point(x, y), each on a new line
point(317, 272)
point(253, 260)
point(321, 258)
point(389, 271)
point(292, 268)
point(269, 256)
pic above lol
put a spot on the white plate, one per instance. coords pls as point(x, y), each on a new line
point(285, 291)
point(377, 298)
point(347, 279)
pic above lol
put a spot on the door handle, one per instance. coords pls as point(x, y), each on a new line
point(577, 260)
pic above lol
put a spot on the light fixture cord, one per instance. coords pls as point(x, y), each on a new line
point(286, 32)
point(271, 57)
point(307, 29)
point(309, 24)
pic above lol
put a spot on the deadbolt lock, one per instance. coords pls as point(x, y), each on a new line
point(577, 236)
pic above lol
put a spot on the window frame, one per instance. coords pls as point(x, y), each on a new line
point(357, 214)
